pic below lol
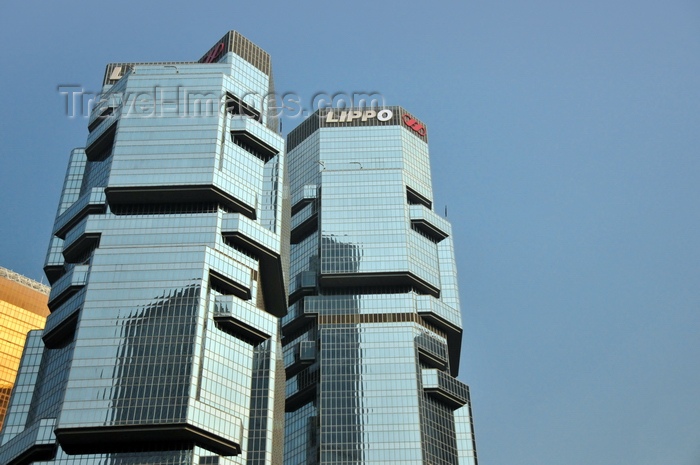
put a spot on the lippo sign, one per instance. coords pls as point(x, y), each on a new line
point(348, 116)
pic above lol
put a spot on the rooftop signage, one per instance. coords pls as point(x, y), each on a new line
point(348, 116)
point(214, 53)
point(329, 117)
point(414, 124)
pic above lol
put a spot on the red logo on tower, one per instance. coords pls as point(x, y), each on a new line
point(413, 123)
point(214, 53)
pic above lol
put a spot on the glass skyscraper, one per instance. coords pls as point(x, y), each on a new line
point(168, 265)
point(22, 308)
point(169, 340)
point(372, 338)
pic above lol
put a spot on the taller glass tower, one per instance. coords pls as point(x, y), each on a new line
point(168, 269)
point(372, 338)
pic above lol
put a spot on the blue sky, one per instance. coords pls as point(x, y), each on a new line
point(564, 141)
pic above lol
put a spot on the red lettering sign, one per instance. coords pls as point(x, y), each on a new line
point(214, 53)
point(414, 124)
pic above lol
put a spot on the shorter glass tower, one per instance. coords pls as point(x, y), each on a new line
point(372, 338)
point(22, 308)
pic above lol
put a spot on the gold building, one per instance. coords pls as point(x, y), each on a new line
point(22, 308)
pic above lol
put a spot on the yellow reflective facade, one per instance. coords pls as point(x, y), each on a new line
point(22, 308)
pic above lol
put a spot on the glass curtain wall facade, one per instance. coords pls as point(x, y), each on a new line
point(22, 308)
point(372, 338)
point(168, 269)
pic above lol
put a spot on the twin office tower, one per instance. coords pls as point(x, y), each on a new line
point(219, 299)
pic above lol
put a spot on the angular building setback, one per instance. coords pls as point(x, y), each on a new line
point(372, 338)
point(22, 308)
point(168, 269)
